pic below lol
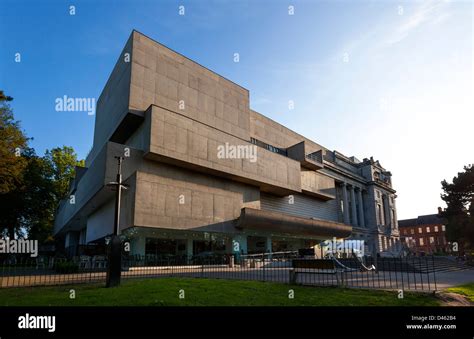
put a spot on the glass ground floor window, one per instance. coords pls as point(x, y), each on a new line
point(157, 246)
point(279, 246)
point(256, 244)
point(217, 246)
point(172, 246)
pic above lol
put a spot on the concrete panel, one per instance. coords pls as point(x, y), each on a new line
point(319, 184)
point(202, 149)
point(275, 134)
point(164, 200)
point(101, 222)
point(113, 103)
point(164, 78)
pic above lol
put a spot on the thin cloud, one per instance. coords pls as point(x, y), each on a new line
point(432, 11)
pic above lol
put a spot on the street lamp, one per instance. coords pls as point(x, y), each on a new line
point(114, 269)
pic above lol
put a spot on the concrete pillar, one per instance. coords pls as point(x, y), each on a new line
point(82, 236)
point(269, 246)
point(345, 204)
point(137, 245)
point(361, 208)
point(241, 240)
point(189, 248)
point(353, 208)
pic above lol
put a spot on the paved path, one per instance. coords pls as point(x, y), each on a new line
point(383, 280)
point(450, 279)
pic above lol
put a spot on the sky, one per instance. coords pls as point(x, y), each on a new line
point(388, 79)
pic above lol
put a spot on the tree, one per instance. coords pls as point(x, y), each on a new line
point(29, 206)
point(63, 162)
point(459, 198)
point(13, 143)
point(39, 199)
point(31, 187)
point(58, 167)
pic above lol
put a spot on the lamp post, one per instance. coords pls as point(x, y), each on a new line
point(114, 267)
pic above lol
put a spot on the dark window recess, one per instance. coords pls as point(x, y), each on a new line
point(156, 246)
point(268, 147)
point(200, 246)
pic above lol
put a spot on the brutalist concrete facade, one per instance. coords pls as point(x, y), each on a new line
point(170, 117)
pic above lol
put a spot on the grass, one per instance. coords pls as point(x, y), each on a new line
point(206, 292)
point(466, 290)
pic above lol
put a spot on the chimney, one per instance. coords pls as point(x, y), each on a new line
point(440, 210)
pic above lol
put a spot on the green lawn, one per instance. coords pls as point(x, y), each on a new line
point(206, 292)
point(467, 290)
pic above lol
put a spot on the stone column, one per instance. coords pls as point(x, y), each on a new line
point(361, 208)
point(353, 207)
point(395, 218)
point(387, 211)
point(345, 204)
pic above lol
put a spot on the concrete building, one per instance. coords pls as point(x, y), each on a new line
point(207, 173)
point(425, 234)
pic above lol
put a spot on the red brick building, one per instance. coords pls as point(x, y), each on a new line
point(425, 234)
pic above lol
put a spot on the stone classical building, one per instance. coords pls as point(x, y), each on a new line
point(207, 173)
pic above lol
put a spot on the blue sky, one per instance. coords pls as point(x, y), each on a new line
point(388, 79)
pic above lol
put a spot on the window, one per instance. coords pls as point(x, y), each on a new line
point(436, 228)
point(431, 240)
point(427, 229)
point(158, 246)
point(421, 242)
point(443, 228)
point(379, 214)
point(412, 231)
point(420, 230)
point(268, 147)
